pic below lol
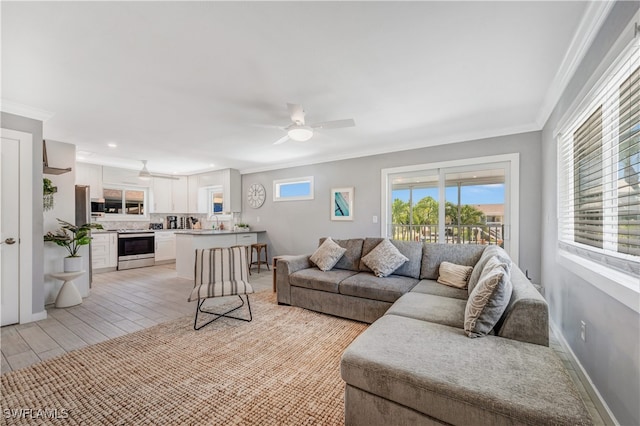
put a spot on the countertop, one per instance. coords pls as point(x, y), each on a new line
point(212, 232)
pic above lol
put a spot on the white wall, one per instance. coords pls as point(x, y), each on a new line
point(294, 227)
point(61, 155)
point(611, 352)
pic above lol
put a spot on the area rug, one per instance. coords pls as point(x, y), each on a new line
point(281, 368)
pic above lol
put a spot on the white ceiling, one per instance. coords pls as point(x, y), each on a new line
point(190, 84)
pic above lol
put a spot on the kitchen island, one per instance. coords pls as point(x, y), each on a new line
point(188, 241)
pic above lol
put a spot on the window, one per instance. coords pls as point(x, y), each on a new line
point(124, 201)
point(599, 171)
point(215, 200)
point(470, 201)
point(293, 189)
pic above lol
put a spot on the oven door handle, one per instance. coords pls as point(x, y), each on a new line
point(146, 235)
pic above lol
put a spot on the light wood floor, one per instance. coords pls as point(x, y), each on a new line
point(122, 302)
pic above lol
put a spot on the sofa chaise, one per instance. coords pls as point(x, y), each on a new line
point(416, 363)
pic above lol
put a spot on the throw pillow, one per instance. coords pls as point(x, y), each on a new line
point(327, 255)
point(488, 299)
point(384, 259)
point(454, 275)
point(488, 253)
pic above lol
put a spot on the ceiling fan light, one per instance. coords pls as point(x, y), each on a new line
point(300, 133)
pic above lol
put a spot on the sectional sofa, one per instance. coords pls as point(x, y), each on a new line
point(416, 364)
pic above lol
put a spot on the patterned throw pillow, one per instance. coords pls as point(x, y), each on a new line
point(489, 299)
point(327, 255)
point(454, 275)
point(488, 253)
point(384, 259)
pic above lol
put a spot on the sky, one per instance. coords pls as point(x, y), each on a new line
point(476, 194)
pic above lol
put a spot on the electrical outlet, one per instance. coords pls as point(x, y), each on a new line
point(375, 219)
point(583, 331)
point(258, 219)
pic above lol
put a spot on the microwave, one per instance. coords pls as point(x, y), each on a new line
point(97, 208)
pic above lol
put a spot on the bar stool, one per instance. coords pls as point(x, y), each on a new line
point(258, 249)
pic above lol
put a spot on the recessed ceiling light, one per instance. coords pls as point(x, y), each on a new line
point(79, 157)
point(112, 145)
point(211, 165)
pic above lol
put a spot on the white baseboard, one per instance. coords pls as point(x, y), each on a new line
point(38, 316)
point(599, 402)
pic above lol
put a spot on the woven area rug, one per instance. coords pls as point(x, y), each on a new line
point(281, 368)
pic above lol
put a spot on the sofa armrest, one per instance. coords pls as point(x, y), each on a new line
point(285, 266)
point(527, 316)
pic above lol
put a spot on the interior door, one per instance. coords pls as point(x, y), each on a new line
point(9, 231)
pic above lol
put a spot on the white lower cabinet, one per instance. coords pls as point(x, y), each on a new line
point(165, 246)
point(104, 250)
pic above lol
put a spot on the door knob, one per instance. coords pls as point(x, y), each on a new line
point(9, 241)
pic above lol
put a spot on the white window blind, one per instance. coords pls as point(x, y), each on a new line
point(599, 170)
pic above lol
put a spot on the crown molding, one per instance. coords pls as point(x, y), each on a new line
point(592, 20)
point(25, 110)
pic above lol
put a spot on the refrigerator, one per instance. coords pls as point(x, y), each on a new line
point(83, 216)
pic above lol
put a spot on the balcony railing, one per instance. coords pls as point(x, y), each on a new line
point(454, 234)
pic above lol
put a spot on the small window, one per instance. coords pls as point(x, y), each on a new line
point(293, 189)
point(215, 200)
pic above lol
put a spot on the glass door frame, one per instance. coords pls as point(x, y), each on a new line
point(511, 164)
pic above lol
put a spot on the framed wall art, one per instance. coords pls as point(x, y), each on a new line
point(342, 203)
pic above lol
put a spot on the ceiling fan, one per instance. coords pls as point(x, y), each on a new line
point(146, 175)
point(299, 131)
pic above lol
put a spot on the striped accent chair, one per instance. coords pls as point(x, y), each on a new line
point(221, 272)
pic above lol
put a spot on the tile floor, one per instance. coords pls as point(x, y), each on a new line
point(122, 302)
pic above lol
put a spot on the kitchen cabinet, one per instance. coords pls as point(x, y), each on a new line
point(104, 250)
point(170, 195)
point(228, 182)
point(197, 202)
point(232, 188)
point(165, 246)
point(90, 174)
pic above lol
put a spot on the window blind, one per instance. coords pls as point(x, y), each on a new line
point(599, 170)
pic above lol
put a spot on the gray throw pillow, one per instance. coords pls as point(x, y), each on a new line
point(327, 255)
point(489, 299)
point(489, 252)
point(384, 259)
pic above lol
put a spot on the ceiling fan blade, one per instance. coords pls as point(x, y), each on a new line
point(296, 112)
point(335, 124)
point(281, 140)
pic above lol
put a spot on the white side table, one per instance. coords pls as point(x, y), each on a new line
point(69, 294)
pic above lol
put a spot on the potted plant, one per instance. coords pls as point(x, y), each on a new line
point(243, 227)
point(72, 237)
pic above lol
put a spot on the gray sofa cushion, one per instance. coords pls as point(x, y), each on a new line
point(479, 266)
point(438, 371)
point(437, 289)
point(488, 300)
point(427, 307)
point(368, 286)
point(316, 279)
point(350, 260)
point(411, 249)
point(460, 254)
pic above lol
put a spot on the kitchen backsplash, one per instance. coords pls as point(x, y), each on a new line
point(162, 218)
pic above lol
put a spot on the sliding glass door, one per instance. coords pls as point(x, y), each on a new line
point(452, 203)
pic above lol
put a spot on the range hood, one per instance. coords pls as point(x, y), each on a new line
point(45, 163)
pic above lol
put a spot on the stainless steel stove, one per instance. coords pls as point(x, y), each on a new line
point(136, 248)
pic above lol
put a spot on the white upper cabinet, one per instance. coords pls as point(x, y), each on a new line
point(90, 174)
point(232, 187)
point(170, 195)
point(180, 195)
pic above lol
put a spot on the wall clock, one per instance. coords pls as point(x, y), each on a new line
point(256, 195)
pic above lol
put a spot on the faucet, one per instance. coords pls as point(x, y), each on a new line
point(215, 228)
